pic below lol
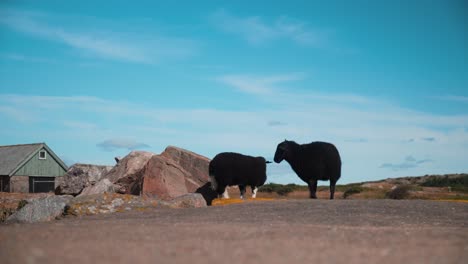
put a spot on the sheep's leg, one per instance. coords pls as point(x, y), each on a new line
point(225, 194)
point(313, 189)
point(254, 191)
point(332, 189)
point(242, 189)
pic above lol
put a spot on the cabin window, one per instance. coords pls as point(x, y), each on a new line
point(41, 184)
point(42, 154)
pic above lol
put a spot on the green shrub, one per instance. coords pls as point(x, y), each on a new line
point(352, 190)
point(399, 192)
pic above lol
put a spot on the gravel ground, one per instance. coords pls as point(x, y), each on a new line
point(288, 231)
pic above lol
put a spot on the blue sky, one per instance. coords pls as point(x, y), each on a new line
point(385, 81)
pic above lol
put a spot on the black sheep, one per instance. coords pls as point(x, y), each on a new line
point(312, 162)
point(228, 169)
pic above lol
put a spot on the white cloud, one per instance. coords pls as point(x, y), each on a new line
point(139, 47)
point(256, 31)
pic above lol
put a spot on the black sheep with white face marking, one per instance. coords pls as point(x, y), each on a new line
point(228, 169)
point(312, 162)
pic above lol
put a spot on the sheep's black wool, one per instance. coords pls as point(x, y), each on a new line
point(229, 168)
point(312, 162)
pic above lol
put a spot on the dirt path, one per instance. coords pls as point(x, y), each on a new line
point(290, 231)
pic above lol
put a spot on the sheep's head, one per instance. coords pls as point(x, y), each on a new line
point(282, 151)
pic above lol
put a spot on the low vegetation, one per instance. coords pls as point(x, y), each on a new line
point(450, 181)
point(445, 187)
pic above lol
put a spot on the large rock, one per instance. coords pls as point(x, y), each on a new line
point(174, 173)
point(196, 165)
point(41, 210)
point(191, 200)
point(80, 176)
point(164, 179)
point(126, 175)
point(103, 186)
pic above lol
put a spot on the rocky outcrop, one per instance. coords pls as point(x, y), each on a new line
point(80, 176)
point(173, 173)
point(41, 210)
point(117, 203)
point(108, 203)
point(51, 207)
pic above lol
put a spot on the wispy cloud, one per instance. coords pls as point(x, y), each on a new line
point(113, 144)
point(408, 163)
point(426, 139)
point(80, 125)
point(256, 30)
point(357, 140)
point(276, 123)
point(258, 85)
point(103, 43)
point(275, 88)
point(15, 113)
point(26, 58)
point(453, 98)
